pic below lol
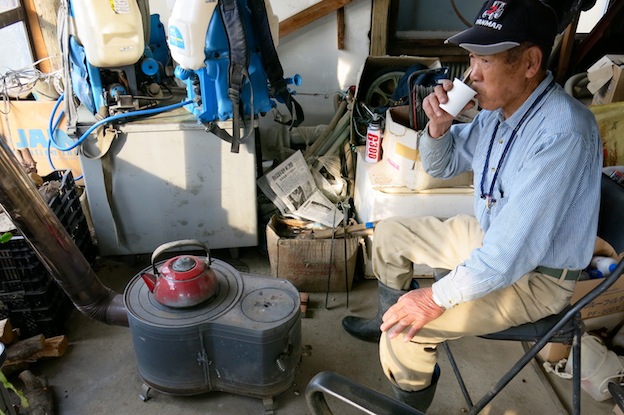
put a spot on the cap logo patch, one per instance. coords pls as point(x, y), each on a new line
point(493, 13)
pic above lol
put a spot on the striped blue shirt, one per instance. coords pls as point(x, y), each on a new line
point(547, 191)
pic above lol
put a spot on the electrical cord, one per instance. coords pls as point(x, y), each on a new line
point(458, 13)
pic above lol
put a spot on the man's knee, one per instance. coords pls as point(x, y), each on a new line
point(387, 229)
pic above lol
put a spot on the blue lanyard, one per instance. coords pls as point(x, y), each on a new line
point(489, 196)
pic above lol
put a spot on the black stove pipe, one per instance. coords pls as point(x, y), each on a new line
point(54, 246)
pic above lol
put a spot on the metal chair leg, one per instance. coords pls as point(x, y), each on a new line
point(458, 375)
point(576, 365)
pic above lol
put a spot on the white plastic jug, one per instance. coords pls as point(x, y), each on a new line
point(599, 365)
point(110, 31)
point(188, 25)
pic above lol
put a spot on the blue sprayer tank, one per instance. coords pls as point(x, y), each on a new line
point(206, 73)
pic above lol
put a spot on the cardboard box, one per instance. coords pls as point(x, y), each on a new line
point(400, 151)
point(602, 71)
point(27, 126)
point(611, 301)
point(554, 352)
point(613, 91)
point(606, 80)
point(379, 195)
point(376, 68)
point(306, 262)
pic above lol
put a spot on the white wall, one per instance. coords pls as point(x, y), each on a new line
point(312, 53)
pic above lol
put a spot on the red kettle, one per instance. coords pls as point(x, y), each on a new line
point(183, 281)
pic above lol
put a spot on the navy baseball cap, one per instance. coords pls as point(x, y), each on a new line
point(504, 24)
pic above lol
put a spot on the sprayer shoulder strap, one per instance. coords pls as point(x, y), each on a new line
point(63, 32)
point(239, 62)
point(271, 62)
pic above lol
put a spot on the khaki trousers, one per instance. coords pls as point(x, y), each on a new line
point(401, 242)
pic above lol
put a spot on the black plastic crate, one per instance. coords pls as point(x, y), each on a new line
point(30, 283)
point(17, 258)
point(49, 321)
point(20, 268)
point(66, 205)
point(17, 273)
point(48, 296)
point(29, 296)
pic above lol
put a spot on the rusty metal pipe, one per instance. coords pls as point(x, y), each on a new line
point(54, 246)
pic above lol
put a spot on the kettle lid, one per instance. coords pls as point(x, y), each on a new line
point(183, 264)
point(184, 267)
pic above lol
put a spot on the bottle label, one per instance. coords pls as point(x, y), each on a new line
point(175, 37)
point(373, 146)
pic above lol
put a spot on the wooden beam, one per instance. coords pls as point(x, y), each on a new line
point(9, 17)
point(309, 15)
point(379, 27)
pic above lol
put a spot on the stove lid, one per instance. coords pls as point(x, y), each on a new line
point(268, 305)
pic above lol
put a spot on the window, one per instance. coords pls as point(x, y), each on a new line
point(419, 27)
point(591, 17)
point(15, 49)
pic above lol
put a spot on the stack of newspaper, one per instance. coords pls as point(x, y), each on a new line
point(291, 187)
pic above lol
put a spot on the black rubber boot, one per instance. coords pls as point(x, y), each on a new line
point(368, 329)
point(421, 399)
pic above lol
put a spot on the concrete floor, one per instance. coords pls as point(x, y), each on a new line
point(98, 374)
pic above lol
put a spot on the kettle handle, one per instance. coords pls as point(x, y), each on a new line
point(177, 244)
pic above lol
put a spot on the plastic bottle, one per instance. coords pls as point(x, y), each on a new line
point(598, 366)
point(373, 141)
point(110, 31)
point(605, 265)
point(188, 26)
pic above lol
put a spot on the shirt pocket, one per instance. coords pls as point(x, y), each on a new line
point(500, 203)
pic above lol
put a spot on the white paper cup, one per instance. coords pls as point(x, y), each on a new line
point(458, 97)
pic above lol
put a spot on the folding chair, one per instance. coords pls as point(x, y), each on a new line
point(567, 326)
point(358, 396)
point(617, 393)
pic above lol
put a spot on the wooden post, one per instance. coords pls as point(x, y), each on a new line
point(379, 27)
point(340, 19)
point(42, 22)
point(567, 44)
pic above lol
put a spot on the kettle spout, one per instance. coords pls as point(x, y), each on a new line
point(150, 281)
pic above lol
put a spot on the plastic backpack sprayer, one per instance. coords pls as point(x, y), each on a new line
point(115, 67)
point(117, 55)
point(228, 62)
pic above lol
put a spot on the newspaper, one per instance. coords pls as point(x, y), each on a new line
point(291, 187)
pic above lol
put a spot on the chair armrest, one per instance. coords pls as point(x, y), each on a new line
point(358, 396)
point(617, 393)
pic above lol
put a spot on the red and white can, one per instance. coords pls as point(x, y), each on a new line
point(373, 142)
